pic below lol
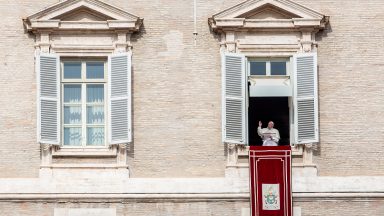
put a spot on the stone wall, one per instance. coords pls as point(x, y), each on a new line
point(177, 97)
point(222, 208)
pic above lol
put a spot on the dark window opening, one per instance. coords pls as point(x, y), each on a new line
point(267, 109)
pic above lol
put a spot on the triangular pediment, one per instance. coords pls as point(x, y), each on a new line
point(79, 12)
point(268, 11)
point(83, 14)
point(267, 14)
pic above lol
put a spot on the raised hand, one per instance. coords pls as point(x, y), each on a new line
point(260, 124)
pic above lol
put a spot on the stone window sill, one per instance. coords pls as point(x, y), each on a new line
point(296, 150)
point(85, 152)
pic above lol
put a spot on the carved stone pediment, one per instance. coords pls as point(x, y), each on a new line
point(267, 14)
point(268, 11)
point(82, 15)
point(82, 28)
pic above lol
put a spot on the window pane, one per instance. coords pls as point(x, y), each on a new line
point(72, 136)
point(72, 93)
point(95, 70)
point(72, 114)
point(72, 70)
point(278, 68)
point(95, 136)
point(258, 68)
point(95, 93)
point(95, 114)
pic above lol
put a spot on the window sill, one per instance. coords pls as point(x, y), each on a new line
point(85, 152)
point(297, 150)
point(270, 76)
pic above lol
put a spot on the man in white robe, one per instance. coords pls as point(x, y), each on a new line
point(270, 135)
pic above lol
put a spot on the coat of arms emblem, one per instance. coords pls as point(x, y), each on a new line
point(271, 196)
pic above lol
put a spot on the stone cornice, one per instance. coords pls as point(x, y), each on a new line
point(231, 19)
point(304, 188)
point(114, 18)
point(286, 5)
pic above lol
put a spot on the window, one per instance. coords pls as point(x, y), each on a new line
point(269, 97)
point(293, 97)
point(83, 87)
point(74, 107)
point(274, 67)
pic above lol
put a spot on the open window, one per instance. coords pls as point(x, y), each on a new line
point(265, 109)
point(269, 69)
point(289, 99)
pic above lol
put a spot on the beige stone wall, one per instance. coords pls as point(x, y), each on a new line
point(177, 93)
point(350, 88)
point(341, 207)
point(176, 90)
point(130, 208)
point(222, 208)
point(19, 151)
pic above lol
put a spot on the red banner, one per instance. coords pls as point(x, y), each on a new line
point(270, 180)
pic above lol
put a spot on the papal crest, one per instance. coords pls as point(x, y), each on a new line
point(271, 196)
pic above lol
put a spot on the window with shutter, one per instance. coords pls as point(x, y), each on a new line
point(48, 79)
point(234, 97)
point(120, 98)
point(306, 98)
point(73, 101)
point(289, 98)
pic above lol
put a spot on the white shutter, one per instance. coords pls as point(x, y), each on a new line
point(234, 85)
point(119, 89)
point(48, 82)
point(305, 98)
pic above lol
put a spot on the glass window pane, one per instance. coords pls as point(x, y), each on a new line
point(72, 93)
point(95, 136)
point(258, 68)
point(95, 114)
point(72, 114)
point(278, 68)
point(72, 136)
point(72, 70)
point(95, 70)
point(95, 93)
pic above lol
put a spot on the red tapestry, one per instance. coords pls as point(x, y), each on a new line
point(270, 180)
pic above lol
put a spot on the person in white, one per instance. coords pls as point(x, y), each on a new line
point(270, 135)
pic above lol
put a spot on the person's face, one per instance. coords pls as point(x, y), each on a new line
point(270, 125)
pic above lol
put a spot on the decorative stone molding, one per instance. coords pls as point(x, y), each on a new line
point(122, 155)
point(268, 29)
point(231, 154)
point(82, 28)
point(258, 27)
point(267, 14)
point(308, 154)
point(46, 154)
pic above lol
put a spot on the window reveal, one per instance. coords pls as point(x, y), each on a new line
point(83, 100)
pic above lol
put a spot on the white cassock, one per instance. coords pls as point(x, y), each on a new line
point(270, 136)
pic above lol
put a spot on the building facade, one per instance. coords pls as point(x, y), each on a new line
point(148, 107)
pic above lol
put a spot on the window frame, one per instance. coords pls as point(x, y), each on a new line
point(268, 61)
point(83, 81)
point(289, 75)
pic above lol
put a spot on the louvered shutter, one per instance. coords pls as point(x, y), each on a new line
point(234, 84)
point(305, 98)
point(48, 79)
point(119, 89)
